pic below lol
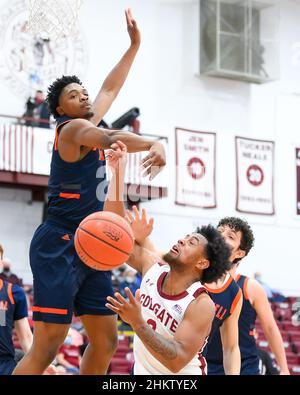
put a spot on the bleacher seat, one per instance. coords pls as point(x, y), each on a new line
point(294, 336)
point(292, 359)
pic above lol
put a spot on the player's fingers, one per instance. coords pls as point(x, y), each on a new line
point(120, 298)
point(146, 172)
point(138, 295)
point(144, 215)
point(114, 302)
point(111, 307)
point(151, 222)
point(129, 294)
point(122, 146)
point(154, 171)
point(128, 17)
point(136, 213)
point(147, 162)
point(130, 216)
point(147, 157)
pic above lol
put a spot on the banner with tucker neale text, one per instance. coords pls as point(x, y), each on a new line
point(195, 168)
point(255, 176)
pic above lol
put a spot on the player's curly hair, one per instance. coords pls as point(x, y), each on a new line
point(55, 89)
point(237, 224)
point(217, 252)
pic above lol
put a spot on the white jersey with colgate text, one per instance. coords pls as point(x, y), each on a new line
point(164, 313)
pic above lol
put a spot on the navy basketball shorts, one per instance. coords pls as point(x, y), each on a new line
point(62, 283)
point(249, 366)
point(7, 366)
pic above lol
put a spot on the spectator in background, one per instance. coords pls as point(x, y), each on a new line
point(69, 355)
point(272, 294)
point(131, 280)
point(267, 365)
point(7, 275)
point(37, 109)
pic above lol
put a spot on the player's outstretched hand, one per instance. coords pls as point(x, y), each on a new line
point(133, 31)
point(128, 309)
point(141, 227)
point(155, 161)
point(117, 156)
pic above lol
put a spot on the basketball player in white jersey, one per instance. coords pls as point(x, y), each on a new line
point(172, 313)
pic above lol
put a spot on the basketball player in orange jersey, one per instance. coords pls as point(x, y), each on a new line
point(239, 236)
point(62, 283)
point(172, 313)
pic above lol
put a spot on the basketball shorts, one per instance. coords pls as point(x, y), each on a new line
point(7, 366)
point(249, 366)
point(62, 283)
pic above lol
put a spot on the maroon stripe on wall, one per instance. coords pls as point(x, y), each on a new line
point(9, 149)
point(26, 151)
point(15, 134)
point(32, 147)
point(4, 134)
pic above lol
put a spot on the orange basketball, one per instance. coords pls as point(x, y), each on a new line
point(104, 240)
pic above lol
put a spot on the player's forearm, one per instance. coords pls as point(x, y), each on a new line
point(164, 350)
point(276, 344)
point(115, 194)
point(116, 78)
point(232, 361)
point(134, 142)
point(26, 343)
point(149, 245)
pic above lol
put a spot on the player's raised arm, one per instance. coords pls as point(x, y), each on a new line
point(81, 132)
point(116, 78)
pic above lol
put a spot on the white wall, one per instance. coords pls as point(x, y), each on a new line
point(19, 219)
point(165, 84)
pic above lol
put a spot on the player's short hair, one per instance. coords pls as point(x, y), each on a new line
point(55, 89)
point(238, 224)
point(217, 252)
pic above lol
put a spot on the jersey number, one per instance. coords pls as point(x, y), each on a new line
point(152, 323)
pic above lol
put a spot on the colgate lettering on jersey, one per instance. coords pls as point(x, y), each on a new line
point(162, 315)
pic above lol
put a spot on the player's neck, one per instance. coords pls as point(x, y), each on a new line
point(175, 282)
point(219, 283)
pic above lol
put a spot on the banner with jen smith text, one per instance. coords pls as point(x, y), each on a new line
point(255, 178)
point(195, 168)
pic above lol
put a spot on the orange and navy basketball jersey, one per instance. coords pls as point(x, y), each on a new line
point(247, 319)
point(76, 189)
point(225, 298)
point(13, 307)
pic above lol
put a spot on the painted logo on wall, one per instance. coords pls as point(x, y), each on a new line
point(30, 62)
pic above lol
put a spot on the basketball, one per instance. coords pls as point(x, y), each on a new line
point(104, 240)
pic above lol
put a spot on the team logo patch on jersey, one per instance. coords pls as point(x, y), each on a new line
point(177, 308)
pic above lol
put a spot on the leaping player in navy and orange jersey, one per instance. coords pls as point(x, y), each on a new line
point(172, 313)
point(62, 283)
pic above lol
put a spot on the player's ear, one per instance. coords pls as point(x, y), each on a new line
point(240, 253)
point(60, 110)
point(202, 264)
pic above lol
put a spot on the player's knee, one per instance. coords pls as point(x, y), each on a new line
point(107, 345)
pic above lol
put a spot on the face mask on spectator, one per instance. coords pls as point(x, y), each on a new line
point(6, 270)
point(129, 279)
point(68, 340)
